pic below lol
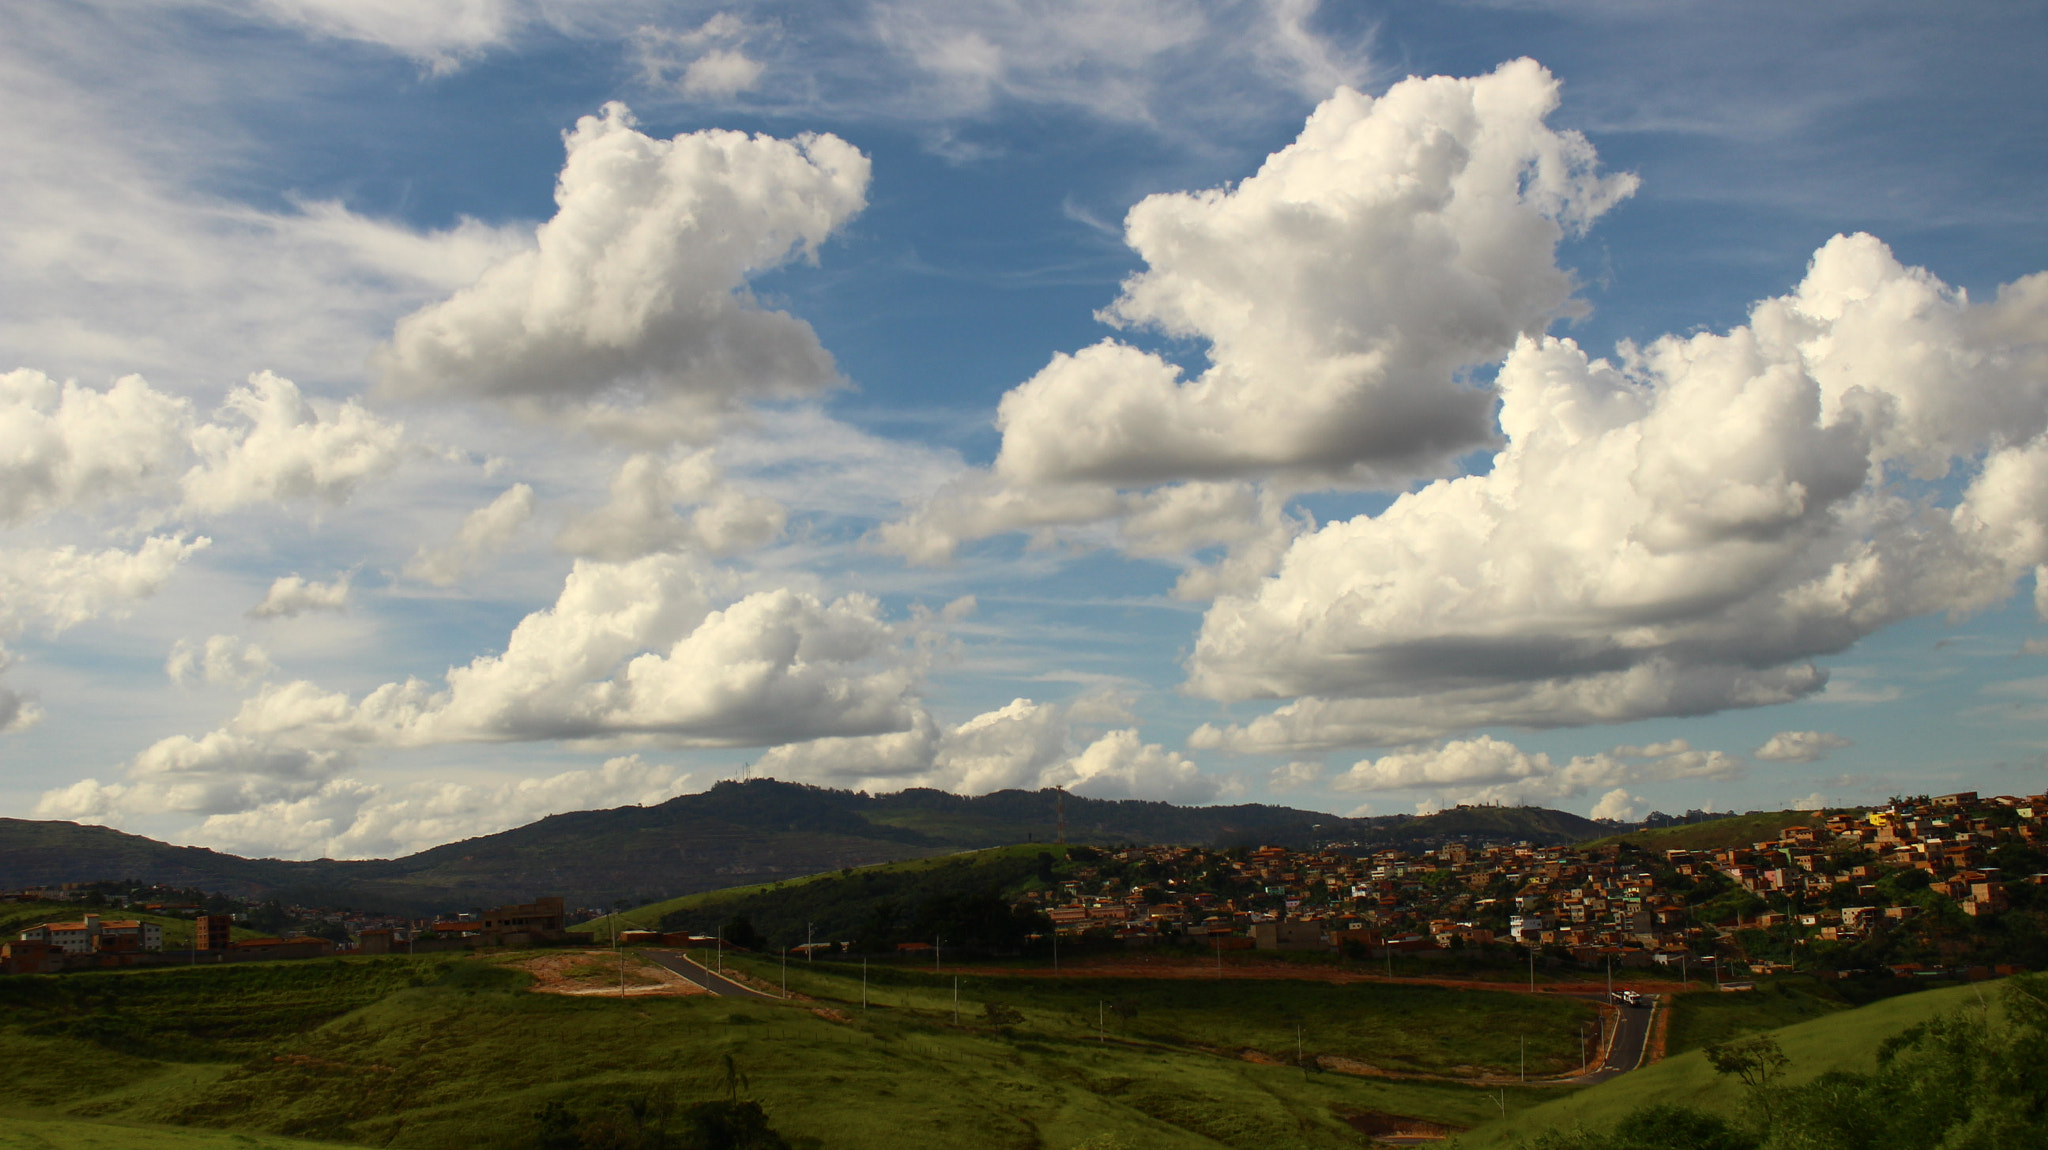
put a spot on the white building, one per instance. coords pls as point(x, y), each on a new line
point(92, 935)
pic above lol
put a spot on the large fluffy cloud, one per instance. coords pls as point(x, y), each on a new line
point(1675, 534)
point(632, 311)
point(1341, 289)
point(59, 588)
point(1344, 291)
point(66, 447)
point(275, 445)
point(659, 651)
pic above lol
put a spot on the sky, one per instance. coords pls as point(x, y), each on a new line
point(420, 418)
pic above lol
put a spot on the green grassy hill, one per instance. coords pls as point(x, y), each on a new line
point(1846, 1040)
point(452, 1052)
point(832, 905)
point(22, 1132)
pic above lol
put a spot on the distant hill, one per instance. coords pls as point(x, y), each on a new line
point(733, 834)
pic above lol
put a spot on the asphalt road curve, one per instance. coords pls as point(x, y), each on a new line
point(710, 980)
point(1626, 1052)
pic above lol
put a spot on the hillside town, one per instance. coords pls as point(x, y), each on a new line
point(1807, 894)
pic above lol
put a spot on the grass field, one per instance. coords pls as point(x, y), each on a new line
point(452, 1052)
point(22, 1132)
point(1845, 1040)
point(1408, 1028)
point(648, 916)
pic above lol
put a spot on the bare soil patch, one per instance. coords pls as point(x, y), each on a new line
point(596, 972)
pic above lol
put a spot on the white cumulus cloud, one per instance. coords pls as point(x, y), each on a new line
point(1801, 746)
point(61, 587)
point(1344, 291)
point(292, 595)
point(642, 515)
point(279, 445)
point(632, 311)
point(65, 447)
point(221, 660)
point(1674, 534)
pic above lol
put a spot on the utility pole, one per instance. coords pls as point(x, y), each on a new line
point(1300, 1059)
point(721, 950)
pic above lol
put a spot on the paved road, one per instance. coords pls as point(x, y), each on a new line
point(710, 980)
point(1626, 1051)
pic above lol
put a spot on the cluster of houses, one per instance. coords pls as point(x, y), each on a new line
point(1820, 881)
point(93, 940)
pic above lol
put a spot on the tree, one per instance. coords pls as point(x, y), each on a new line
point(730, 1078)
point(740, 932)
point(1757, 1062)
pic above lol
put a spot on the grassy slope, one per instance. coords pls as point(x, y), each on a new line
point(24, 1132)
point(1398, 1027)
point(649, 916)
point(450, 1052)
point(1705, 1017)
point(1847, 1040)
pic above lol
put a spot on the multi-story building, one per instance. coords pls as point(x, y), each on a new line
point(90, 935)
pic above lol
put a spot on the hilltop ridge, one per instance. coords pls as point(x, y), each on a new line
point(731, 834)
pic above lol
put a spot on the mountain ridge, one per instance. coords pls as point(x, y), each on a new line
point(731, 834)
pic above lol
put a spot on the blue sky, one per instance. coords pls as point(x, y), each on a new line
point(423, 418)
